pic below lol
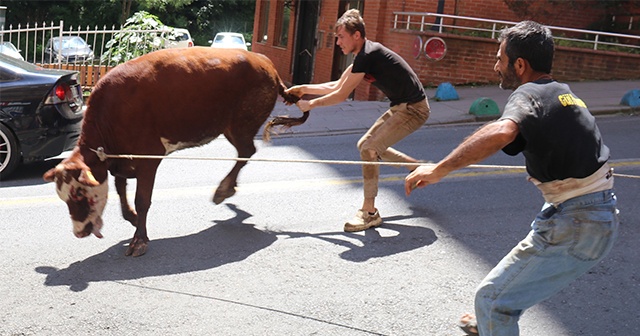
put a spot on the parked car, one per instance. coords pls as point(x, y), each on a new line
point(67, 49)
point(229, 40)
point(9, 49)
point(176, 38)
point(40, 113)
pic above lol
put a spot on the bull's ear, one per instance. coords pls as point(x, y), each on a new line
point(50, 175)
point(86, 177)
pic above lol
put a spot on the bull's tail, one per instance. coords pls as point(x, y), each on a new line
point(284, 122)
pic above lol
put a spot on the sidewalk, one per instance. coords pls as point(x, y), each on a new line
point(602, 97)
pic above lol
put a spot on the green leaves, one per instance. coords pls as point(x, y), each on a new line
point(141, 34)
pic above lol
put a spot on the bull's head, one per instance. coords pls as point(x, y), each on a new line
point(84, 195)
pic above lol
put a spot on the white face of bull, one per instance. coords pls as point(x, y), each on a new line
point(86, 200)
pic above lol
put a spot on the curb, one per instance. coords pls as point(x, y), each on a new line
point(467, 118)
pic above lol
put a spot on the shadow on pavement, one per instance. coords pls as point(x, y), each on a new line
point(225, 242)
point(373, 244)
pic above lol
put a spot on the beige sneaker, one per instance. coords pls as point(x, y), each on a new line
point(362, 221)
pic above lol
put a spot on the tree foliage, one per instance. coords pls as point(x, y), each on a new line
point(141, 34)
point(203, 18)
point(161, 5)
point(72, 12)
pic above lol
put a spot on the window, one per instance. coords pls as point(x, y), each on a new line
point(282, 20)
point(264, 21)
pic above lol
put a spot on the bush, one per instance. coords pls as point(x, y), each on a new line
point(140, 35)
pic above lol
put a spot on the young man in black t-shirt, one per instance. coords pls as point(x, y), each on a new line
point(409, 109)
point(565, 158)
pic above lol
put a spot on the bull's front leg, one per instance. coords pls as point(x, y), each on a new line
point(144, 190)
point(128, 213)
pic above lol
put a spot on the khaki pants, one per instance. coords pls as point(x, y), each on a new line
point(393, 126)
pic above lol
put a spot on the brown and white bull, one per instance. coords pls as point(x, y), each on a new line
point(157, 104)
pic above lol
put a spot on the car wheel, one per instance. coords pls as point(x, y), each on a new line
point(9, 153)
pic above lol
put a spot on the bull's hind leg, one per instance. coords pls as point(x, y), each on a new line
point(243, 142)
point(128, 213)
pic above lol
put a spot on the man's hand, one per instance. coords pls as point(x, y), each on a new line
point(420, 178)
point(297, 90)
point(304, 105)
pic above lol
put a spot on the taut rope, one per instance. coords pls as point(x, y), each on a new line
point(104, 156)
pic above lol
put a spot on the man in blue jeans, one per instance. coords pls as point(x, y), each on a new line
point(565, 158)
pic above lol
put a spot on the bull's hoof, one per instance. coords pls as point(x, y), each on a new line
point(137, 247)
point(223, 194)
point(131, 217)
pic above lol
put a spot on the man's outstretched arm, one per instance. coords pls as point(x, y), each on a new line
point(478, 146)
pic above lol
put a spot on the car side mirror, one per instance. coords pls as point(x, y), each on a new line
point(248, 44)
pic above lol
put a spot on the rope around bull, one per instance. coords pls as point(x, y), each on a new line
point(104, 156)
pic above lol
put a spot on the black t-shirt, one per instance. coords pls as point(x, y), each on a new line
point(558, 135)
point(387, 71)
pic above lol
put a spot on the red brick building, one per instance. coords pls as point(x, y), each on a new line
point(298, 36)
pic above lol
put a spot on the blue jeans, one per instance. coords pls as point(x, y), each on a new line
point(564, 242)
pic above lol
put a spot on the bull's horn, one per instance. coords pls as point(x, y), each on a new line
point(86, 177)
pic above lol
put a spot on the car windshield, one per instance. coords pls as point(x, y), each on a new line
point(228, 39)
point(69, 43)
point(182, 37)
point(7, 46)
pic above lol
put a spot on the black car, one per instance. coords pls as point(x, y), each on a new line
point(40, 113)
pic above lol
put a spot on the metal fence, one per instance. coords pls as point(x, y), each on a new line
point(54, 46)
point(463, 25)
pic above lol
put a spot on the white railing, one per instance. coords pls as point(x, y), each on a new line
point(32, 39)
point(444, 23)
point(33, 44)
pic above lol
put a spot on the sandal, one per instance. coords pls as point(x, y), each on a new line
point(469, 325)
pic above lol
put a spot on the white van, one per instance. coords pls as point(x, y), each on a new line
point(229, 40)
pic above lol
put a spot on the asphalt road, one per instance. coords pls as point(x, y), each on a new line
point(273, 260)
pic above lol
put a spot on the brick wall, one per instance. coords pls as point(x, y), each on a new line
point(281, 57)
point(571, 64)
point(471, 60)
point(561, 13)
point(468, 59)
point(324, 51)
